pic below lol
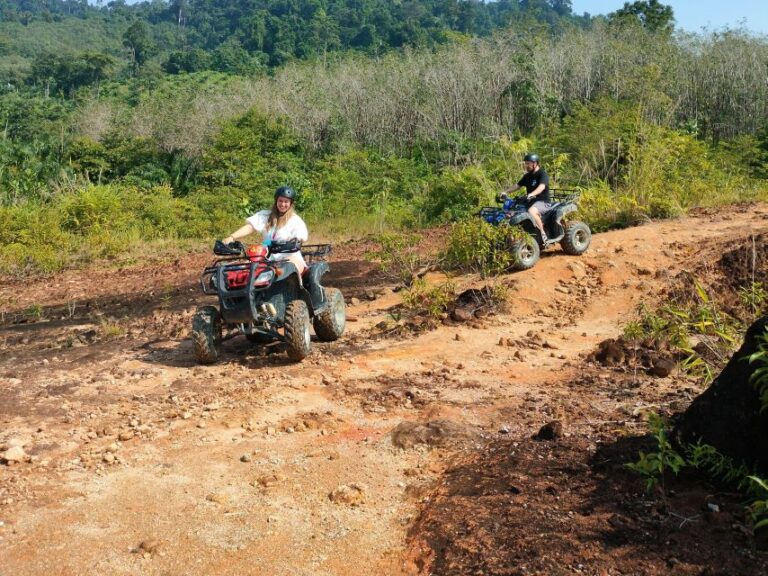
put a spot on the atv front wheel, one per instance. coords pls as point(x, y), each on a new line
point(206, 334)
point(297, 330)
point(577, 238)
point(329, 324)
point(525, 253)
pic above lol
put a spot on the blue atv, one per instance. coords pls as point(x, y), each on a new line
point(574, 236)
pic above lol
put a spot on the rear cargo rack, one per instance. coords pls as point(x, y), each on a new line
point(315, 252)
point(564, 195)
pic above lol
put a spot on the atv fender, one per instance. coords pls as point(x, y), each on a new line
point(284, 290)
point(287, 270)
point(298, 291)
point(312, 282)
point(561, 211)
point(554, 221)
point(518, 218)
point(524, 220)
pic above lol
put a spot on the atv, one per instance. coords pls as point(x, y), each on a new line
point(267, 300)
point(574, 236)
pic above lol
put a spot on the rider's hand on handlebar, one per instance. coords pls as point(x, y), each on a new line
point(501, 197)
point(286, 247)
point(222, 248)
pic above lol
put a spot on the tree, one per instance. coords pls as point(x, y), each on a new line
point(44, 70)
point(179, 8)
point(651, 14)
point(137, 40)
point(194, 60)
point(324, 32)
point(465, 21)
point(232, 58)
point(66, 73)
point(562, 7)
point(92, 68)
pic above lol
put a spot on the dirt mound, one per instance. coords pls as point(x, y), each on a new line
point(557, 508)
point(653, 356)
point(470, 307)
point(740, 266)
point(434, 433)
point(746, 262)
point(414, 391)
point(728, 414)
point(325, 421)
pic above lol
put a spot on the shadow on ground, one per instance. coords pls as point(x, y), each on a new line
point(590, 514)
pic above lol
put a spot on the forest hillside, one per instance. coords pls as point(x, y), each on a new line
point(171, 120)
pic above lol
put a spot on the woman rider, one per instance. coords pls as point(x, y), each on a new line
point(280, 224)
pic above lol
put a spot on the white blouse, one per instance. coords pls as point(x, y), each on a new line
point(294, 229)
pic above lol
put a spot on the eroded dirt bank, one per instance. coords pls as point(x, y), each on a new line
point(144, 463)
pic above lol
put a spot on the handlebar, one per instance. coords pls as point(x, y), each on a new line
point(556, 195)
point(237, 248)
point(285, 247)
point(501, 198)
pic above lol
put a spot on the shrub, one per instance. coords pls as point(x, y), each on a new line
point(759, 377)
point(476, 246)
point(458, 193)
point(759, 507)
point(397, 255)
point(366, 190)
point(104, 222)
point(432, 301)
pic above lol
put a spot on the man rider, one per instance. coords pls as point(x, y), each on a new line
point(536, 183)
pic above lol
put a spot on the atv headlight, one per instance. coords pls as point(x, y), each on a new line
point(264, 278)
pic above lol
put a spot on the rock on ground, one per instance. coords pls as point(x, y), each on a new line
point(434, 433)
point(14, 454)
point(349, 494)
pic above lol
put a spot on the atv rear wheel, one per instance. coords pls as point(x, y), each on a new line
point(297, 330)
point(329, 324)
point(577, 238)
point(525, 253)
point(206, 334)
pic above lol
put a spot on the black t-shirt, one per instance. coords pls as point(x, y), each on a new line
point(531, 181)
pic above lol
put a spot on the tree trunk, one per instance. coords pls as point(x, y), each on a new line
point(727, 415)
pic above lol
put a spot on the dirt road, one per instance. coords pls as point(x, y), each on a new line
point(142, 462)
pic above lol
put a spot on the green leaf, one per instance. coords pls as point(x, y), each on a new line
point(760, 482)
point(702, 293)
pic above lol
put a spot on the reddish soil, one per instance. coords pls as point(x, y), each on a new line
point(142, 462)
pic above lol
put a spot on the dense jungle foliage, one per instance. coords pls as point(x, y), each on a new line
point(172, 120)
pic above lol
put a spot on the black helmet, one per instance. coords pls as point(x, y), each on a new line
point(531, 158)
point(285, 192)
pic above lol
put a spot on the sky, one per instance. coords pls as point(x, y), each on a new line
point(694, 15)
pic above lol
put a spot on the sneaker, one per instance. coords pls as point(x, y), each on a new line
point(544, 238)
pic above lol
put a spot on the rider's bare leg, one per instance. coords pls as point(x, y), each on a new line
point(298, 261)
point(537, 220)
